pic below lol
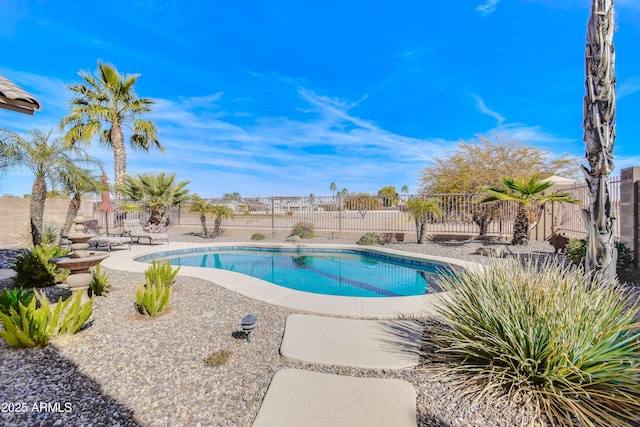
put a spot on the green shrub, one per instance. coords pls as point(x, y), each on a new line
point(304, 230)
point(152, 298)
point(33, 269)
point(370, 239)
point(577, 251)
point(99, 283)
point(218, 358)
point(549, 334)
point(625, 255)
point(160, 273)
point(288, 213)
point(36, 323)
point(13, 298)
point(258, 236)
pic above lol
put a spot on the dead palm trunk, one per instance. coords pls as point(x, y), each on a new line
point(599, 136)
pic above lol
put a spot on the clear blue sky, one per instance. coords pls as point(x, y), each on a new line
point(285, 97)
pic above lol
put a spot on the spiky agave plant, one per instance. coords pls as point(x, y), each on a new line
point(547, 333)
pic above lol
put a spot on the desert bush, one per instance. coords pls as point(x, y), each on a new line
point(576, 251)
point(370, 239)
point(304, 230)
point(258, 236)
point(99, 283)
point(33, 269)
point(36, 323)
point(288, 213)
point(547, 333)
point(13, 298)
point(219, 358)
point(161, 274)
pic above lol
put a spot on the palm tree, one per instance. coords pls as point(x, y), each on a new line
point(528, 193)
point(105, 103)
point(202, 208)
point(45, 158)
point(422, 211)
point(405, 189)
point(221, 212)
point(77, 181)
point(599, 137)
point(333, 188)
point(158, 193)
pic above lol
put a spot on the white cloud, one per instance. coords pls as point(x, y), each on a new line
point(485, 110)
point(628, 87)
point(487, 8)
point(530, 134)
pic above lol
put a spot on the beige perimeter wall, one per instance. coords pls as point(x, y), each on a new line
point(14, 217)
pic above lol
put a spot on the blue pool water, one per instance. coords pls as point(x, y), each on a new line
point(322, 271)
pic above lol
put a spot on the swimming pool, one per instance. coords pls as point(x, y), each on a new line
point(343, 272)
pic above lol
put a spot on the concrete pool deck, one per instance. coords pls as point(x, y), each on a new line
point(382, 307)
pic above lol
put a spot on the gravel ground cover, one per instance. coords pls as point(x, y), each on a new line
point(125, 370)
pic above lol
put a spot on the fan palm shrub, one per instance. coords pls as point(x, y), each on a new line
point(528, 193)
point(543, 333)
point(158, 193)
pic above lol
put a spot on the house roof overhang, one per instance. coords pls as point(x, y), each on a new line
point(14, 98)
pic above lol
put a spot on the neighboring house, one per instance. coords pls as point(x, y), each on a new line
point(14, 98)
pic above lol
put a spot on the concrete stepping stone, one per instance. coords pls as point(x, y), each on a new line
point(370, 344)
point(301, 398)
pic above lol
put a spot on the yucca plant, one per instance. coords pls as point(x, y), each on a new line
point(152, 298)
point(36, 323)
point(547, 333)
point(160, 273)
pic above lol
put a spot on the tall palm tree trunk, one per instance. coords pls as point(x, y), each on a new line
point(36, 208)
point(521, 226)
point(119, 153)
point(216, 228)
point(599, 136)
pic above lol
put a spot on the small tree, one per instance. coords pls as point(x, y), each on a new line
point(422, 211)
point(45, 157)
point(479, 163)
point(388, 195)
point(221, 213)
point(528, 193)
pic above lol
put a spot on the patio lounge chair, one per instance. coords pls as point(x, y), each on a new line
point(133, 229)
point(99, 241)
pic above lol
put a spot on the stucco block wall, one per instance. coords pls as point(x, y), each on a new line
point(14, 216)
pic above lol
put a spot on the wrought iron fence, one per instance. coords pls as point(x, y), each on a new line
point(571, 219)
point(462, 214)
